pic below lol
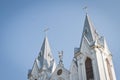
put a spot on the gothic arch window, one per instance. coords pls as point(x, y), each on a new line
point(109, 69)
point(89, 69)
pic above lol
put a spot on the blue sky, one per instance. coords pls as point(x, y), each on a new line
point(22, 23)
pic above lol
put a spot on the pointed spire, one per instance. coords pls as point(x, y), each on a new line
point(45, 56)
point(89, 30)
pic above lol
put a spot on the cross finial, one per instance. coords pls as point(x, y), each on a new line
point(85, 9)
point(45, 30)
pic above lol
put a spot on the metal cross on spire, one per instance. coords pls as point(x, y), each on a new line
point(45, 30)
point(85, 9)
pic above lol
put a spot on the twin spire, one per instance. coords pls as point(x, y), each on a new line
point(89, 31)
point(45, 57)
point(91, 35)
point(44, 62)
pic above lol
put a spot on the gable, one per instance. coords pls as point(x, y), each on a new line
point(85, 46)
point(60, 72)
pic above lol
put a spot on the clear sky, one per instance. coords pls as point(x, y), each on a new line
point(22, 23)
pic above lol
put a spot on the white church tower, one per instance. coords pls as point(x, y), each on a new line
point(92, 60)
point(44, 65)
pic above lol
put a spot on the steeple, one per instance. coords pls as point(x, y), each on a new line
point(44, 65)
point(89, 31)
point(45, 57)
point(94, 61)
point(91, 36)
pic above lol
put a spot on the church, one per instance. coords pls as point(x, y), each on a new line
point(92, 60)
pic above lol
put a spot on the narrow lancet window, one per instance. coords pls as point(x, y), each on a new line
point(89, 69)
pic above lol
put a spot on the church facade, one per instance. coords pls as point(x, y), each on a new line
point(91, 61)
